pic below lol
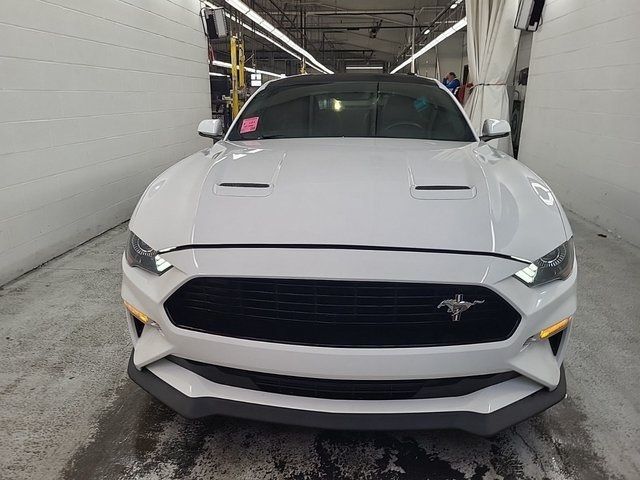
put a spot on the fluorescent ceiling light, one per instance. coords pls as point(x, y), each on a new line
point(444, 35)
point(264, 72)
point(258, 32)
point(427, 31)
point(255, 17)
point(219, 63)
point(216, 74)
point(267, 27)
point(239, 6)
point(266, 37)
point(364, 67)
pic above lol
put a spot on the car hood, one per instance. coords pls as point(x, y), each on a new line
point(362, 191)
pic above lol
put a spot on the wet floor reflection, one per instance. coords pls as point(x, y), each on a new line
point(141, 438)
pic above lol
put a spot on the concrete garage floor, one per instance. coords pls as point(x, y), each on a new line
point(67, 409)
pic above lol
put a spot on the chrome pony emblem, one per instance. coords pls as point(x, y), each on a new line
point(455, 306)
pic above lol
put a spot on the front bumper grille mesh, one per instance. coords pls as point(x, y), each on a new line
point(333, 313)
point(343, 389)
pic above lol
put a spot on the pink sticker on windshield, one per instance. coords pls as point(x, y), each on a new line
point(249, 124)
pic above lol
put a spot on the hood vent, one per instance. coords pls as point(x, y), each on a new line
point(443, 192)
point(243, 189)
point(244, 185)
point(442, 187)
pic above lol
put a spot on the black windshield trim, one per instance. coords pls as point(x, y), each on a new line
point(350, 77)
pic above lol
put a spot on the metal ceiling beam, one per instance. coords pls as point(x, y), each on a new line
point(368, 27)
point(369, 14)
point(333, 11)
point(354, 43)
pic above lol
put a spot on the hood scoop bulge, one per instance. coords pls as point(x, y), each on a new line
point(445, 176)
point(245, 174)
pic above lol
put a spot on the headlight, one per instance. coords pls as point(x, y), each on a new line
point(139, 254)
point(555, 265)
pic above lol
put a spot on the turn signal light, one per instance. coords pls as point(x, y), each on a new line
point(140, 315)
point(555, 328)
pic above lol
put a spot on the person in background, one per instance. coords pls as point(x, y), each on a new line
point(451, 82)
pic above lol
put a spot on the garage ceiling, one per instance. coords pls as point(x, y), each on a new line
point(342, 33)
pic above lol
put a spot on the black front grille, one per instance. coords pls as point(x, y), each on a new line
point(339, 313)
point(343, 389)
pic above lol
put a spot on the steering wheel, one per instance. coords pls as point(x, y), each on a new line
point(403, 123)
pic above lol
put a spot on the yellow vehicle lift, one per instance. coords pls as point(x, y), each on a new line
point(237, 75)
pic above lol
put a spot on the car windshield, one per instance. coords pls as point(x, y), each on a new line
point(353, 109)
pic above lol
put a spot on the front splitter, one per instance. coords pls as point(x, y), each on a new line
point(477, 423)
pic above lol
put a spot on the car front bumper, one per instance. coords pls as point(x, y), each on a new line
point(539, 385)
point(484, 424)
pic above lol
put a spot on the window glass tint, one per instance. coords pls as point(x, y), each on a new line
point(352, 109)
point(408, 110)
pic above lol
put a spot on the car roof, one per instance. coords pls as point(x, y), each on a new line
point(352, 77)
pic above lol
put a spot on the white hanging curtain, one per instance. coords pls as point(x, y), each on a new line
point(492, 44)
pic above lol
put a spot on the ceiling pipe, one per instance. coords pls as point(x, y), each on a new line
point(333, 11)
point(368, 27)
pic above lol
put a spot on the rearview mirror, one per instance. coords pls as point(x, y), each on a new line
point(211, 128)
point(492, 128)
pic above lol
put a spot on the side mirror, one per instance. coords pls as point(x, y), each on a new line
point(211, 128)
point(495, 129)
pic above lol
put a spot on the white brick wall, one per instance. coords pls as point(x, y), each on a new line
point(581, 128)
point(96, 98)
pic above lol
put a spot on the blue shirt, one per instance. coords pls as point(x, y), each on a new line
point(452, 85)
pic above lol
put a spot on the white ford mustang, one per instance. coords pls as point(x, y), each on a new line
point(351, 255)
